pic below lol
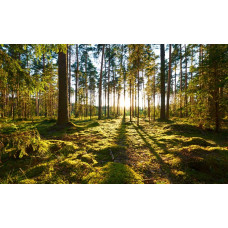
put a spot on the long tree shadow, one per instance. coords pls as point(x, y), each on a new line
point(199, 165)
point(165, 167)
point(121, 155)
point(116, 152)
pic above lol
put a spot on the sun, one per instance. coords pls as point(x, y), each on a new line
point(127, 101)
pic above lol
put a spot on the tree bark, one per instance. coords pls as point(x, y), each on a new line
point(63, 117)
point(100, 86)
point(76, 83)
point(162, 111)
point(69, 82)
point(169, 80)
point(109, 81)
point(186, 81)
point(181, 115)
point(130, 102)
point(138, 99)
point(86, 84)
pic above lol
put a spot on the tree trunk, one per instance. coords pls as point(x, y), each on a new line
point(100, 86)
point(162, 111)
point(45, 99)
point(138, 99)
point(105, 86)
point(169, 80)
point(86, 84)
point(181, 115)
point(186, 82)
point(154, 90)
point(191, 97)
point(76, 83)
point(135, 99)
point(114, 92)
point(109, 81)
point(37, 104)
point(124, 96)
point(175, 87)
point(69, 82)
point(63, 117)
point(130, 102)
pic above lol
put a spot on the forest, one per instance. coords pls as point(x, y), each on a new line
point(113, 113)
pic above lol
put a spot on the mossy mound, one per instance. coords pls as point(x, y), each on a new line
point(87, 158)
point(104, 155)
point(182, 128)
point(94, 124)
point(114, 173)
point(70, 171)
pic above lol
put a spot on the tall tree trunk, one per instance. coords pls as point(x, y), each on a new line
point(130, 101)
point(45, 97)
point(169, 80)
point(118, 102)
point(124, 96)
point(109, 81)
point(191, 98)
point(138, 99)
point(63, 117)
point(186, 81)
point(37, 103)
point(135, 99)
point(175, 87)
point(154, 91)
point(148, 97)
point(100, 86)
point(181, 115)
point(69, 81)
point(86, 83)
point(13, 111)
point(143, 93)
point(90, 106)
point(105, 86)
point(18, 90)
point(76, 83)
point(162, 111)
point(114, 92)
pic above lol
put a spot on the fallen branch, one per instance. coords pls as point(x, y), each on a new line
point(112, 155)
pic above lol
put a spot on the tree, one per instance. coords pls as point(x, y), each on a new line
point(162, 111)
point(76, 82)
point(63, 117)
point(100, 85)
point(169, 80)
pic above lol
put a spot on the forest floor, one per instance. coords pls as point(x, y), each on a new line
point(111, 151)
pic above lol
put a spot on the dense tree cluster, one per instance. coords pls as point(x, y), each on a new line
point(83, 80)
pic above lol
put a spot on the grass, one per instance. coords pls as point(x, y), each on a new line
point(111, 151)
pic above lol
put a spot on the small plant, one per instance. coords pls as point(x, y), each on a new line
point(22, 144)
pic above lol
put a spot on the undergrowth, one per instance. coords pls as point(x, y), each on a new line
point(111, 151)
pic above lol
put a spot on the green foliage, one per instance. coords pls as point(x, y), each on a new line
point(20, 144)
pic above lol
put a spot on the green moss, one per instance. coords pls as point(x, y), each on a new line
point(114, 173)
point(28, 181)
point(112, 151)
point(36, 171)
point(94, 124)
point(197, 141)
point(67, 149)
point(87, 158)
point(8, 128)
point(71, 171)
